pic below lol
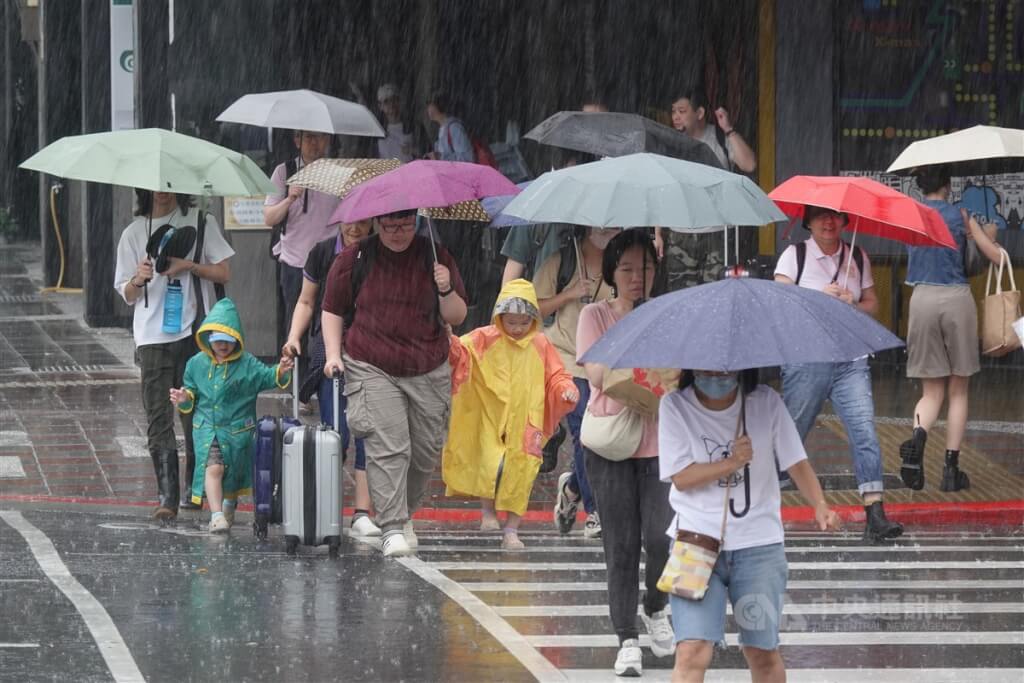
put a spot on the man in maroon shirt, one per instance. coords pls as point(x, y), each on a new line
point(395, 360)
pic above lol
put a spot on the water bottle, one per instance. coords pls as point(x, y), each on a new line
point(173, 301)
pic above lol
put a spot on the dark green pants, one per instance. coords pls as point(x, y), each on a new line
point(163, 367)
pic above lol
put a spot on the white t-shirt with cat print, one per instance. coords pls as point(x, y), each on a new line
point(689, 433)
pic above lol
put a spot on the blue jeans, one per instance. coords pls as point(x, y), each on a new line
point(326, 398)
point(805, 387)
point(578, 482)
point(754, 581)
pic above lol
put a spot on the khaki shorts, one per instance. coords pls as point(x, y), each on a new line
point(942, 337)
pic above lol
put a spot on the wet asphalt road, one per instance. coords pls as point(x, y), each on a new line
point(184, 606)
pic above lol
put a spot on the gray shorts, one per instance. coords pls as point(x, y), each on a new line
point(942, 335)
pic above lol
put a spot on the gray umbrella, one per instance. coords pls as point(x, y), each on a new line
point(610, 134)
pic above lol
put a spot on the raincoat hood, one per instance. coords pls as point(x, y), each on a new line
point(223, 317)
point(518, 296)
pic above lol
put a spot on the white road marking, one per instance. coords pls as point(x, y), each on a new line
point(18, 645)
point(790, 550)
point(576, 586)
point(14, 438)
point(10, 467)
point(916, 608)
point(111, 645)
point(819, 675)
point(805, 638)
point(793, 566)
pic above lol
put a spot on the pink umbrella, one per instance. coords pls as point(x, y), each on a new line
point(422, 185)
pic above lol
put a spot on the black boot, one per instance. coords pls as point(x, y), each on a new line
point(551, 449)
point(167, 508)
point(912, 453)
point(952, 478)
point(878, 528)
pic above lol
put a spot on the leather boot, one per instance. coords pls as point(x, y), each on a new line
point(877, 526)
point(952, 478)
point(912, 454)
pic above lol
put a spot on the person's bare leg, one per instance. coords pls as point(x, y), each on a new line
point(693, 657)
point(214, 491)
point(956, 414)
point(766, 666)
point(488, 517)
point(933, 393)
point(362, 491)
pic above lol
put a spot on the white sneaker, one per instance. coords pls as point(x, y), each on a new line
point(663, 638)
point(592, 527)
point(394, 545)
point(219, 525)
point(229, 513)
point(364, 526)
point(629, 661)
point(565, 505)
point(410, 535)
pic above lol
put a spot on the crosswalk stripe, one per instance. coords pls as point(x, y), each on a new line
point(577, 586)
point(818, 675)
point(804, 638)
point(909, 608)
point(837, 549)
point(580, 566)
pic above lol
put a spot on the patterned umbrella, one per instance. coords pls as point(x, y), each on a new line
point(339, 176)
point(471, 210)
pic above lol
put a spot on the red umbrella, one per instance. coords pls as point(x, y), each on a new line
point(874, 208)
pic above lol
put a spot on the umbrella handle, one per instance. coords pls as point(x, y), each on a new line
point(849, 261)
point(430, 231)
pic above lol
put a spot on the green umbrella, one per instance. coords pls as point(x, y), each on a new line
point(152, 159)
point(643, 190)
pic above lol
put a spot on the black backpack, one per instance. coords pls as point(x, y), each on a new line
point(801, 258)
point(365, 258)
point(276, 232)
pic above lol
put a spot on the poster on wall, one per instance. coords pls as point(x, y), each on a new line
point(122, 65)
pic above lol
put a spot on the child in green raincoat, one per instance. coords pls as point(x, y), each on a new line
point(222, 382)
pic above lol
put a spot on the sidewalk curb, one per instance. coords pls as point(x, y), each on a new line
point(1000, 513)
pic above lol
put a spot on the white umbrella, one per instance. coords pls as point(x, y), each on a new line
point(303, 110)
point(981, 150)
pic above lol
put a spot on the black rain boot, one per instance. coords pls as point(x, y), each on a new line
point(170, 494)
point(952, 478)
point(912, 453)
point(877, 526)
point(165, 510)
point(551, 448)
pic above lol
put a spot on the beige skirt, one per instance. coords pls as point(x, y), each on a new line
point(942, 336)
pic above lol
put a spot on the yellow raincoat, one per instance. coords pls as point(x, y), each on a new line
point(506, 403)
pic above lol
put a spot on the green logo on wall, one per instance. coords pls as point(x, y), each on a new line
point(128, 60)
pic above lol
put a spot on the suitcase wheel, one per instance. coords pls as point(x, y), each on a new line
point(333, 547)
point(291, 543)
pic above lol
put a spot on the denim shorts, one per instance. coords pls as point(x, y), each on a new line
point(754, 580)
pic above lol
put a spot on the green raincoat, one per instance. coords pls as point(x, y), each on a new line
point(223, 396)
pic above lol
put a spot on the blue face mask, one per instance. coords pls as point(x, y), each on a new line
point(715, 386)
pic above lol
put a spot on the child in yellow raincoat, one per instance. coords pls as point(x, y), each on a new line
point(509, 391)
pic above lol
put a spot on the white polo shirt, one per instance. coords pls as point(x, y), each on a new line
point(819, 269)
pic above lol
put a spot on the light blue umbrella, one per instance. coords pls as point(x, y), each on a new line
point(643, 190)
point(740, 323)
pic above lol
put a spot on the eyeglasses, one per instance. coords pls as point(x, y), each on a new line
point(395, 228)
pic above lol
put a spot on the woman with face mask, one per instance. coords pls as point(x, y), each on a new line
point(719, 430)
point(564, 298)
point(631, 499)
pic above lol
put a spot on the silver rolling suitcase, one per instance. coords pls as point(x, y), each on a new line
point(311, 483)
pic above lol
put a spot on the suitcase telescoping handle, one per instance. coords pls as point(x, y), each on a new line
point(336, 388)
point(295, 389)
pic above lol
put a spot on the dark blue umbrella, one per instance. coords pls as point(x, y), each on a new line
point(736, 324)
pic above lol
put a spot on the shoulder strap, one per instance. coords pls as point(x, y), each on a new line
point(801, 258)
point(566, 266)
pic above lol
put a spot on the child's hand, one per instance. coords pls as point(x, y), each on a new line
point(570, 396)
point(286, 363)
point(178, 396)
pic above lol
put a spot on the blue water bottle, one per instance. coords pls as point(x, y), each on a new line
point(173, 301)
